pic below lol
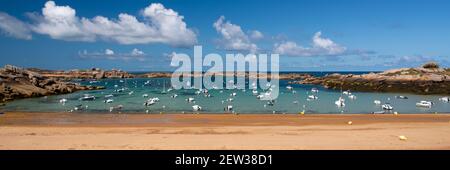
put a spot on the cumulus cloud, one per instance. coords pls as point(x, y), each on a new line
point(109, 54)
point(320, 47)
point(232, 37)
point(13, 27)
point(137, 52)
point(256, 35)
point(159, 25)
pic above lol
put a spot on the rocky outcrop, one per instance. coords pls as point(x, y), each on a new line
point(17, 83)
point(410, 80)
point(94, 73)
point(282, 76)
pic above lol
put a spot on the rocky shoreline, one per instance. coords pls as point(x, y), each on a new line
point(16, 83)
point(422, 80)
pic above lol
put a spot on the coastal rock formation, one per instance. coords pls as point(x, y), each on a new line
point(423, 80)
point(94, 73)
point(282, 76)
point(17, 83)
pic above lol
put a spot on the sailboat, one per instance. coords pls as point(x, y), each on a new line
point(340, 102)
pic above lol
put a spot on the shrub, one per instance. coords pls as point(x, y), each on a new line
point(431, 65)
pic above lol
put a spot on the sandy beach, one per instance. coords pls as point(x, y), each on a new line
point(219, 131)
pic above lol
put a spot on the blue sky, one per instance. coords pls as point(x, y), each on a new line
point(309, 35)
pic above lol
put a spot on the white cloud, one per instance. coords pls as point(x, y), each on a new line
point(256, 35)
point(137, 52)
point(109, 54)
point(233, 38)
point(320, 47)
point(13, 27)
point(159, 25)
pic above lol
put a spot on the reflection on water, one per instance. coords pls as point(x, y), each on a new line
point(289, 101)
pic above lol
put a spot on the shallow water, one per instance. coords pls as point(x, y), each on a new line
point(244, 102)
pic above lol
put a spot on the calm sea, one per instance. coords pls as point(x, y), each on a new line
point(289, 101)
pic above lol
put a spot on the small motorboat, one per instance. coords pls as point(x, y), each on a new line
point(377, 102)
point(118, 107)
point(174, 96)
point(387, 106)
point(120, 90)
point(145, 95)
point(313, 97)
point(289, 87)
point(196, 108)
point(315, 90)
point(131, 92)
point(149, 102)
point(229, 108)
point(401, 97)
point(255, 92)
point(87, 97)
point(78, 107)
point(155, 99)
point(198, 92)
point(340, 102)
point(346, 93)
point(190, 99)
point(353, 97)
point(62, 101)
point(233, 94)
point(230, 99)
point(109, 101)
point(109, 96)
point(444, 99)
point(423, 103)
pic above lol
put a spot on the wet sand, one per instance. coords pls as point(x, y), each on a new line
point(223, 131)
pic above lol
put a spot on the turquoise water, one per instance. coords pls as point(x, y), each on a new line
point(244, 102)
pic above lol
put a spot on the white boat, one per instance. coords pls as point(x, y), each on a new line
point(78, 107)
point(387, 106)
point(401, 97)
point(377, 102)
point(230, 99)
point(190, 99)
point(198, 92)
point(255, 92)
point(149, 102)
point(233, 94)
point(63, 101)
point(260, 96)
point(131, 92)
point(87, 97)
point(174, 96)
point(118, 107)
point(289, 87)
point(145, 95)
point(445, 99)
point(196, 108)
point(120, 90)
point(313, 97)
point(121, 81)
point(424, 104)
point(353, 97)
point(229, 108)
point(155, 99)
point(315, 90)
point(340, 102)
point(109, 101)
point(346, 92)
point(109, 96)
